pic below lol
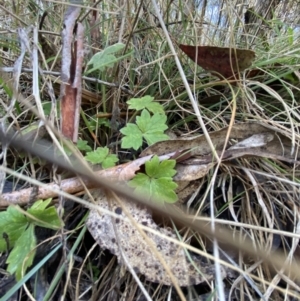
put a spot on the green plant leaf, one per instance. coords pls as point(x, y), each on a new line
point(164, 169)
point(101, 155)
point(133, 136)
point(39, 205)
point(22, 250)
point(83, 146)
point(150, 128)
point(47, 105)
point(103, 58)
point(157, 183)
point(290, 33)
point(19, 229)
point(106, 58)
point(151, 124)
point(164, 188)
point(153, 137)
point(45, 217)
point(93, 122)
point(145, 102)
point(6, 88)
point(110, 161)
point(13, 223)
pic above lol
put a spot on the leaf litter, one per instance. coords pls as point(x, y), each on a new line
point(225, 61)
point(120, 236)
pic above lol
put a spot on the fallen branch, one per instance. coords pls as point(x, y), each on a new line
point(123, 172)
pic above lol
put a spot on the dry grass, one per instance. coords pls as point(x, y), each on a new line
point(257, 197)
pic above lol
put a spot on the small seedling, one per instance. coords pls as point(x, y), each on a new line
point(150, 128)
point(145, 102)
point(101, 156)
point(83, 146)
point(157, 183)
point(17, 232)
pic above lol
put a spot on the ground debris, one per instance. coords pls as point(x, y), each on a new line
point(138, 253)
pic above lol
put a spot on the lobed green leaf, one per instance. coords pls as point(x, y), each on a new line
point(148, 127)
point(44, 217)
point(22, 255)
point(102, 156)
point(157, 183)
point(145, 102)
point(12, 223)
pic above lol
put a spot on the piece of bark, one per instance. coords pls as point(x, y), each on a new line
point(122, 238)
